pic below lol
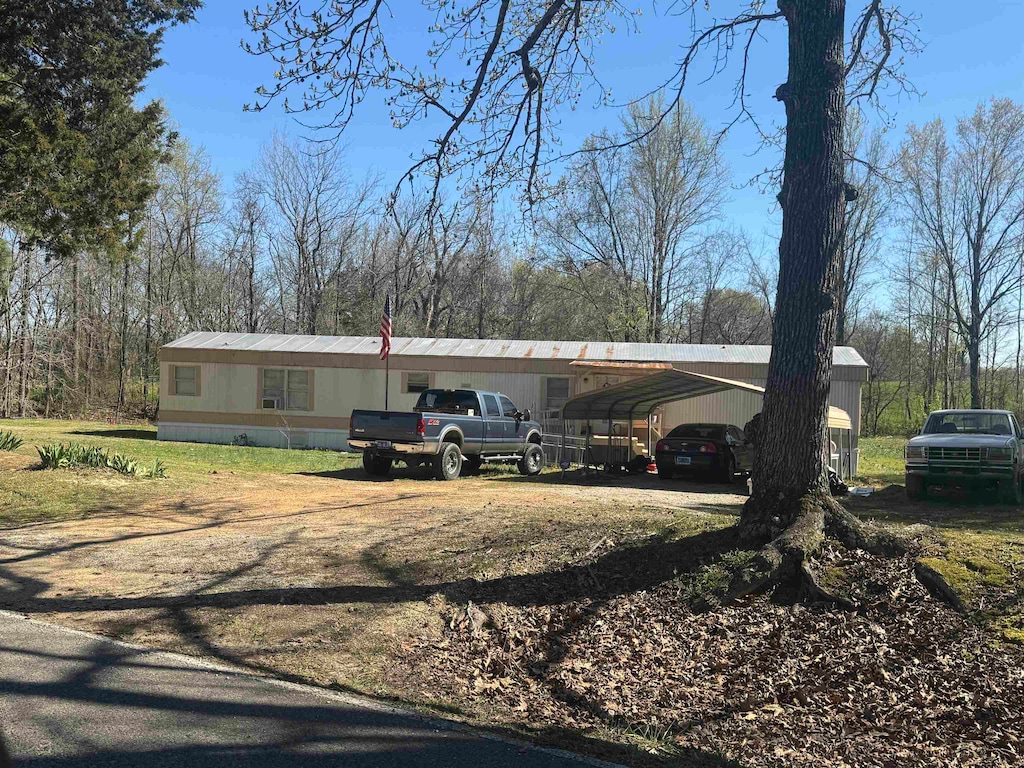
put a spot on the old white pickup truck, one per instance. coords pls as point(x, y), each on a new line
point(972, 448)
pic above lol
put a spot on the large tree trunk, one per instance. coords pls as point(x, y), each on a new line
point(790, 461)
point(791, 511)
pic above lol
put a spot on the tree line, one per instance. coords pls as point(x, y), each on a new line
point(630, 245)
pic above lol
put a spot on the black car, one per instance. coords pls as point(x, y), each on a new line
point(713, 451)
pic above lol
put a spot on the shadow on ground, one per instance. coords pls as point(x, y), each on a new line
point(94, 703)
point(644, 481)
point(954, 508)
point(580, 478)
point(626, 568)
point(602, 575)
point(124, 433)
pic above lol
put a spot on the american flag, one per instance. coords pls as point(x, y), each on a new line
point(385, 329)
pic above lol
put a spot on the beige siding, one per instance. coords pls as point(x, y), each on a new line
point(230, 388)
point(738, 407)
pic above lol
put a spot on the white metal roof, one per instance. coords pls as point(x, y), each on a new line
point(497, 348)
point(638, 398)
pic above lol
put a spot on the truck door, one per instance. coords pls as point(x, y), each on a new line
point(515, 433)
point(494, 426)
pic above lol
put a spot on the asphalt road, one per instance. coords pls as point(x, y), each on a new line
point(72, 699)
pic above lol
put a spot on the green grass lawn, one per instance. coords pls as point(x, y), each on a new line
point(61, 494)
point(881, 461)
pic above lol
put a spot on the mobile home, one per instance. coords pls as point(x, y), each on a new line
point(298, 391)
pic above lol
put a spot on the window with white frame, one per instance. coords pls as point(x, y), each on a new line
point(186, 380)
point(417, 382)
point(286, 389)
point(556, 392)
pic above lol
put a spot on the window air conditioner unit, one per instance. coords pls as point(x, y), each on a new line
point(270, 404)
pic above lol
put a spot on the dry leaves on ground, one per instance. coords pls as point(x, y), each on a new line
point(903, 681)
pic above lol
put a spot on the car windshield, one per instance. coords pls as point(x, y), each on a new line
point(968, 423)
point(459, 401)
point(703, 431)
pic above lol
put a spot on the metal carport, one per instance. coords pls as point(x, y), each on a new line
point(639, 398)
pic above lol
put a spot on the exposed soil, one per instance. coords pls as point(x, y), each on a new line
point(559, 607)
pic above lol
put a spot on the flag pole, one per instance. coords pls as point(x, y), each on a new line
point(385, 345)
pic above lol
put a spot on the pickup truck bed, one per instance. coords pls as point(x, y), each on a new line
point(448, 428)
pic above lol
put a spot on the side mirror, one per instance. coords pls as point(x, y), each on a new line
point(527, 416)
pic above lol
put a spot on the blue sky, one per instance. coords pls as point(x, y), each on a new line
point(972, 51)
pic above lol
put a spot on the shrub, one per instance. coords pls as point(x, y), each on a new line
point(157, 470)
point(9, 441)
point(67, 455)
point(123, 464)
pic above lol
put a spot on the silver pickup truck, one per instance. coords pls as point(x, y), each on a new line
point(966, 448)
point(446, 429)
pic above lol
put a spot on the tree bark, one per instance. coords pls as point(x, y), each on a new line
point(790, 465)
point(974, 362)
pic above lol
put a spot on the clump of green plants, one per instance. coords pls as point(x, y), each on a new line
point(9, 441)
point(157, 470)
point(712, 579)
point(71, 455)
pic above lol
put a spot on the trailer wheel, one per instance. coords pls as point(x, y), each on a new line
point(376, 466)
point(532, 461)
point(448, 463)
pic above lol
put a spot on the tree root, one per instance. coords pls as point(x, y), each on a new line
point(785, 559)
point(853, 533)
point(938, 587)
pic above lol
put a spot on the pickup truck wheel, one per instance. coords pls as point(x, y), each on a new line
point(376, 466)
point(448, 463)
point(917, 488)
point(1010, 492)
point(532, 461)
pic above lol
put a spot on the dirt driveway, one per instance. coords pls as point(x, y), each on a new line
point(324, 577)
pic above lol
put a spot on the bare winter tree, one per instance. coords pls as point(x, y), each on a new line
point(966, 203)
point(639, 214)
point(247, 246)
point(528, 58)
point(186, 209)
point(882, 347)
point(317, 211)
point(863, 228)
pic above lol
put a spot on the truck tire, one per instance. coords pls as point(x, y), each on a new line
point(917, 488)
point(532, 461)
point(448, 462)
point(1010, 492)
point(376, 466)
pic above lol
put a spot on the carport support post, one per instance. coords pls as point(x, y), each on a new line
point(629, 439)
point(586, 449)
point(608, 455)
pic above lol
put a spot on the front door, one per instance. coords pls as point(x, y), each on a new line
point(515, 433)
point(494, 426)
